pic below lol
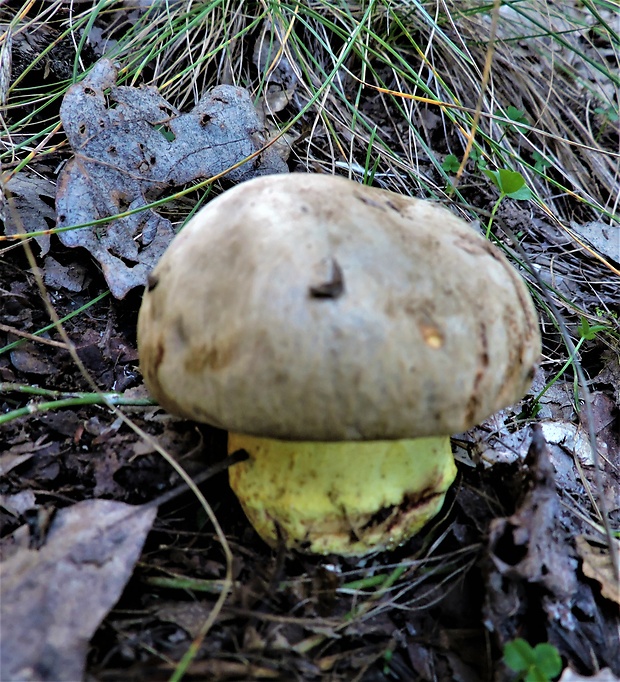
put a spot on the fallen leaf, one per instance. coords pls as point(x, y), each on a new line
point(603, 237)
point(54, 598)
point(531, 577)
point(130, 144)
point(190, 616)
point(57, 276)
point(10, 460)
point(19, 502)
point(597, 565)
point(32, 359)
point(570, 436)
point(527, 547)
point(31, 207)
point(104, 468)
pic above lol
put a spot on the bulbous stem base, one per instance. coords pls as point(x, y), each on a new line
point(347, 498)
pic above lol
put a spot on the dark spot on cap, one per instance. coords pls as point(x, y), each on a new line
point(395, 207)
point(209, 357)
point(159, 355)
point(333, 288)
point(369, 202)
point(151, 281)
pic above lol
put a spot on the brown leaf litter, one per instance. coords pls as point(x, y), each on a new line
point(532, 583)
point(55, 595)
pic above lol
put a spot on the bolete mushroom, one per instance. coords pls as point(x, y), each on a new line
point(340, 333)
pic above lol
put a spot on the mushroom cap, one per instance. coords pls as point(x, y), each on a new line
point(310, 307)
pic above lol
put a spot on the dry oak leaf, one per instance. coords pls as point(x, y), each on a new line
point(130, 144)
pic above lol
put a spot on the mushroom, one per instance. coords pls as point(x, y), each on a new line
point(340, 333)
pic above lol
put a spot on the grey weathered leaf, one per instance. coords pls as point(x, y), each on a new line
point(54, 598)
point(605, 238)
point(131, 143)
point(28, 210)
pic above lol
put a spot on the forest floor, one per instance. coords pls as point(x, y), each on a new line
point(111, 567)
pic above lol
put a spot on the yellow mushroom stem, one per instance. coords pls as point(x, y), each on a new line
point(347, 498)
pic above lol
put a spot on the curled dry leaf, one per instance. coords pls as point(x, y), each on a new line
point(597, 564)
point(528, 545)
point(54, 598)
point(131, 143)
point(30, 208)
point(531, 577)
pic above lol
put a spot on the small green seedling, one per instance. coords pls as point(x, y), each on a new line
point(478, 158)
point(451, 163)
point(541, 663)
point(541, 163)
point(588, 331)
point(510, 184)
point(387, 659)
point(610, 113)
point(515, 115)
point(608, 116)
point(516, 118)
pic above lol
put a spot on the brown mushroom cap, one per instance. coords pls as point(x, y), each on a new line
point(310, 307)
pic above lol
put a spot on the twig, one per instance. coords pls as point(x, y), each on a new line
point(31, 337)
